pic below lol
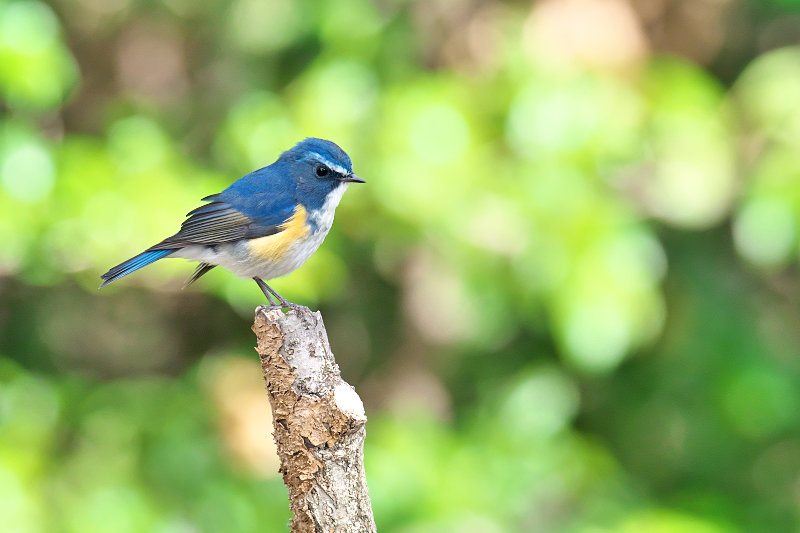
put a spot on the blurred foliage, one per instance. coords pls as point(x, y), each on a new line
point(568, 293)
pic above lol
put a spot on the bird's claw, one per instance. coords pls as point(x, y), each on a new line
point(300, 309)
point(282, 303)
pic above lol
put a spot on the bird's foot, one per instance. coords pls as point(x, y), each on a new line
point(301, 310)
point(282, 303)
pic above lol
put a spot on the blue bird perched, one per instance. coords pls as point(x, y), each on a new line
point(266, 224)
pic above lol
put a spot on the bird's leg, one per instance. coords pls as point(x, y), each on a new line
point(266, 290)
point(281, 300)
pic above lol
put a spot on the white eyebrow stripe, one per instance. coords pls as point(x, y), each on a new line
point(333, 166)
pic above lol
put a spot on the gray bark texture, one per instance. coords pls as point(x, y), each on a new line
point(319, 424)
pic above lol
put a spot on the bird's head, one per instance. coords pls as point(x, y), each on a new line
point(322, 171)
point(322, 161)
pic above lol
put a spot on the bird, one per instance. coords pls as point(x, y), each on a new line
point(263, 226)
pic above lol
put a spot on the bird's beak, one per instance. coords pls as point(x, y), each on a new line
point(353, 178)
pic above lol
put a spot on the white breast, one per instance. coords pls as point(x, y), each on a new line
point(323, 217)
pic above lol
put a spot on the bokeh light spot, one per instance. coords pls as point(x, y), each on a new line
point(438, 302)
point(136, 144)
point(602, 33)
point(691, 193)
point(767, 91)
point(258, 26)
point(27, 173)
point(439, 134)
point(243, 406)
point(597, 336)
point(345, 91)
point(13, 502)
point(540, 404)
point(27, 27)
point(764, 231)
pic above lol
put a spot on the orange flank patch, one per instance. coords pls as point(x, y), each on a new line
point(272, 247)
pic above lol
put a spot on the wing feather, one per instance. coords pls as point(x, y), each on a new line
point(216, 223)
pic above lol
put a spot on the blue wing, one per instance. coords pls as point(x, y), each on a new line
point(218, 223)
point(267, 196)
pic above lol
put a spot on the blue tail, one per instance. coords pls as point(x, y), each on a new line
point(133, 264)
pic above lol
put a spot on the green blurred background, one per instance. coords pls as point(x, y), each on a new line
point(568, 294)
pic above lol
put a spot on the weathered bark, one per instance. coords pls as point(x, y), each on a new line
point(319, 424)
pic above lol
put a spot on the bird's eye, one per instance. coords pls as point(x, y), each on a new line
point(322, 171)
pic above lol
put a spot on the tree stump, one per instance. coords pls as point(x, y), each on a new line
point(319, 424)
